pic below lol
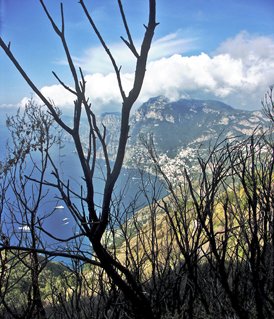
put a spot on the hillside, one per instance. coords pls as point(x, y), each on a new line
point(177, 127)
point(180, 130)
point(201, 237)
point(190, 123)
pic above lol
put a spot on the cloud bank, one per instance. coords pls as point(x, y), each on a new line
point(238, 72)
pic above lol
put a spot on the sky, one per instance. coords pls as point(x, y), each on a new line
point(207, 49)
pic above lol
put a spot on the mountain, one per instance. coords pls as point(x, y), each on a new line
point(181, 128)
point(175, 125)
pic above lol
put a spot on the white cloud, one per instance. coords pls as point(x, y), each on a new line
point(58, 94)
point(7, 106)
point(239, 72)
point(104, 90)
point(95, 59)
point(172, 43)
point(174, 76)
point(251, 48)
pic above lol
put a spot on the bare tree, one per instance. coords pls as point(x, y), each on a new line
point(28, 156)
point(91, 220)
point(222, 218)
point(268, 104)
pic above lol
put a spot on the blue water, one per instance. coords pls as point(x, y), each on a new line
point(133, 191)
point(4, 133)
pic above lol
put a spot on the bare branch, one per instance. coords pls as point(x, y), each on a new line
point(129, 43)
point(63, 84)
point(99, 36)
point(52, 254)
point(33, 87)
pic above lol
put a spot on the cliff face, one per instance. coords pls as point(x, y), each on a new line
point(112, 122)
point(175, 125)
point(179, 129)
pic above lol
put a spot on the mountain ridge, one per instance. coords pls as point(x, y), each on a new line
point(180, 129)
point(177, 127)
point(201, 112)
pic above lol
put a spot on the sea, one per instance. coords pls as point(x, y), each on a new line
point(134, 190)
